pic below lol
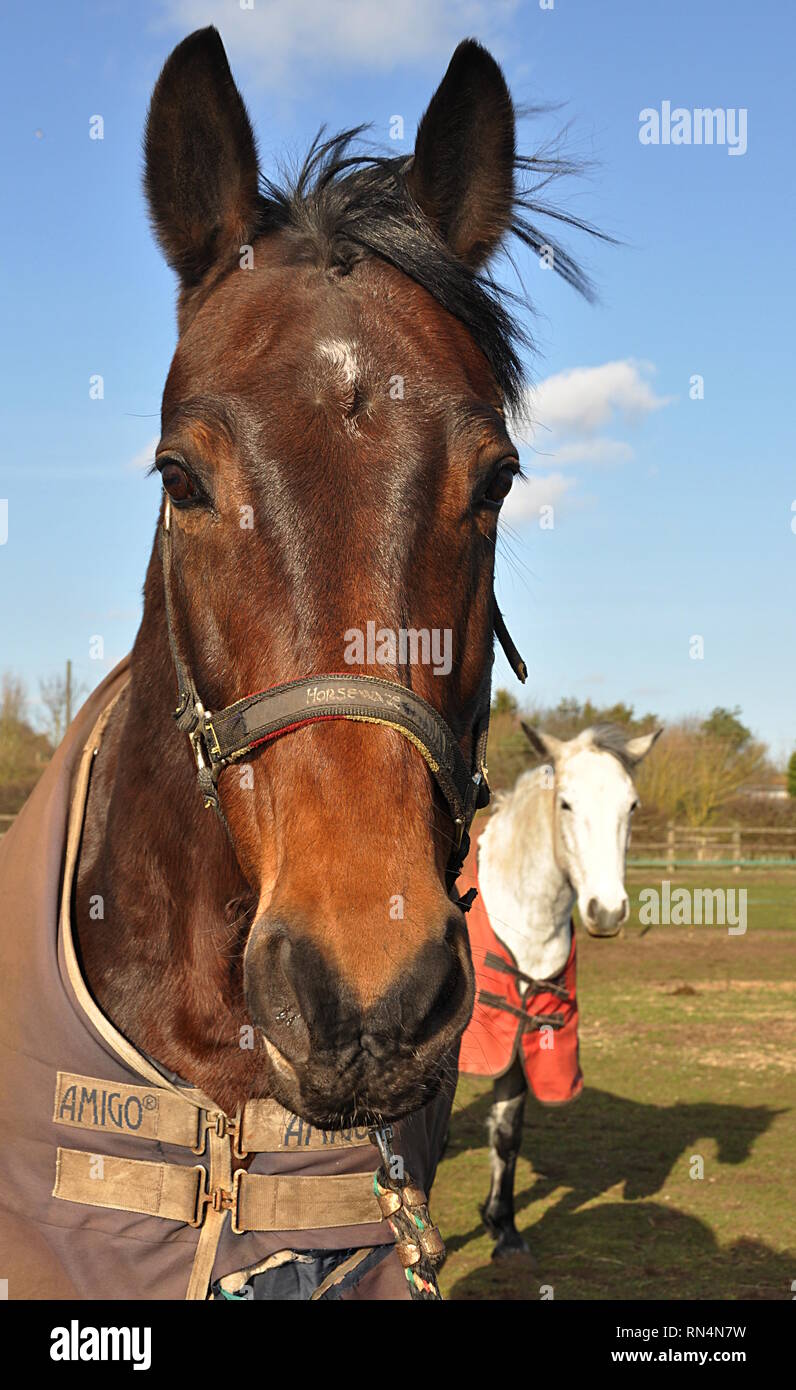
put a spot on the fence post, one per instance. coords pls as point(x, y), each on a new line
point(670, 862)
point(736, 851)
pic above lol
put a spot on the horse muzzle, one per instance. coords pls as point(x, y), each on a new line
point(600, 920)
point(336, 1061)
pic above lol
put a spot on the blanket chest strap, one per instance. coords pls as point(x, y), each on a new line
point(256, 1201)
point(138, 1112)
point(152, 1112)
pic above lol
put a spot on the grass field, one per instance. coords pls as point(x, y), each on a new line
point(687, 1047)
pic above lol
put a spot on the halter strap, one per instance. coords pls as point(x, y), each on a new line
point(365, 699)
point(229, 735)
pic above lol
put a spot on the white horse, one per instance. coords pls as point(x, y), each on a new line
point(560, 835)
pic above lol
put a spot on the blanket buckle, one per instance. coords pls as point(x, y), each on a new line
point(225, 1126)
point(220, 1199)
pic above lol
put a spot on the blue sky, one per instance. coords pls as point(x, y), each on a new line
point(672, 516)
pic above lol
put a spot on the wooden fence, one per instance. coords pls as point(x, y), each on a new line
point(736, 846)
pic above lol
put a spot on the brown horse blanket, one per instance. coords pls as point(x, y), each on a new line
point(87, 1121)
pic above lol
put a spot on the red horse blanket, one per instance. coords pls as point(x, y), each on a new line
point(541, 1025)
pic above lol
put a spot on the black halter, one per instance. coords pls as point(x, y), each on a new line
point(220, 739)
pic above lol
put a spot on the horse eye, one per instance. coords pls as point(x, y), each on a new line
point(176, 482)
point(565, 806)
point(635, 806)
point(500, 486)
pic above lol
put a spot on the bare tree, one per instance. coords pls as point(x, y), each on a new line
point(696, 772)
point(13, 699)
point(23, 752)
point(57, 697)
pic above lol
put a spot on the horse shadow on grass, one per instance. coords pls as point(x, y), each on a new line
point(643, 1250)
point(637, 1251)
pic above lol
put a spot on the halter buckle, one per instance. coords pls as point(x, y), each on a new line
point(197, 735)
point(197, 744)
point(204, 739)
point(483, 791)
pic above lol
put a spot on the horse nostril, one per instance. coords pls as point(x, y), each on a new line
point(271, 996)
point(625, 913)
point(592, 909)
point(285, 994)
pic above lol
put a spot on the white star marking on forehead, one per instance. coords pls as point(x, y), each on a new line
point(343, 357)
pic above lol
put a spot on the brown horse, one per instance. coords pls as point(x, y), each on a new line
point(368, 503)
point(333, 453)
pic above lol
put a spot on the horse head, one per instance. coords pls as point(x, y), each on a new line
point(334, 455)
point(594, 800)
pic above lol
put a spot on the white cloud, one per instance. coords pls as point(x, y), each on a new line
point(559, 422)
point(277, 40)
point(597, 452)
point(580, 401)
point(528, 495)
point(144, 458)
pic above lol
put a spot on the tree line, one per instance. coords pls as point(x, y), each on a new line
point(695, 774)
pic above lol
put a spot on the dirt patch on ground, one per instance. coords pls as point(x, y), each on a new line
point(717, 986)
point(752, 1059)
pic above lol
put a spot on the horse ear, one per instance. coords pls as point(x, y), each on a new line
point(462, 175)
point(638, 748)
point(544, 744)
point(200, 159)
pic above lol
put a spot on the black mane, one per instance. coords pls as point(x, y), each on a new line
point(347, 206)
